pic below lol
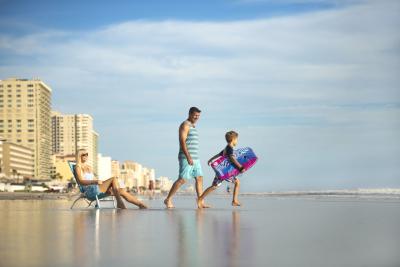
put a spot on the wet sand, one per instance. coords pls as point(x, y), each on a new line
point(265, 231)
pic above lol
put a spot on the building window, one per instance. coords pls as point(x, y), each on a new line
point(9, 85)
point(18, 85)
point(30, 140)
point(30, 95)
point(19, 140)
point(30, 85)
point(31, 130)
point(30, 90)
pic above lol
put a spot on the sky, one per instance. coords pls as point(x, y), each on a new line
point(311, 85)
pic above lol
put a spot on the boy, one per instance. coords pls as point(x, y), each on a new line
point(232, 139)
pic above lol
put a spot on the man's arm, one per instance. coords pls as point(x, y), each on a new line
point(183, 133)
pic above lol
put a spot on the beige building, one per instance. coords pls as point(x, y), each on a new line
point(141, 176)
point(16, 161)
point(25, 119)
point(95, 151)
point(115, 168)
point(61, 169)
point(71, 132)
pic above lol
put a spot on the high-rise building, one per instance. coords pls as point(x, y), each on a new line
point(115, 168)
point(25, 119)
point(104, 167)
point(95, 151)
point(16, 161)
point(71, 132)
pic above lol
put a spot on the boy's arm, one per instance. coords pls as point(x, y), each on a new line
point(214, 157)
point(236, 163)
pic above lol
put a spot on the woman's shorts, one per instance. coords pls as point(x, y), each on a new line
point(93, 190)
point(187, 171)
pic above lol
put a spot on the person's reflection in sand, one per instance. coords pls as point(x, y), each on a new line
point(83, 252)
point(234, 247)
point(88, 236)
point(186, 238)
point(219, 239)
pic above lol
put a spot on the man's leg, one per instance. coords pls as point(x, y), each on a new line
point(178, 183)
point(199, 186)
point(200, 200)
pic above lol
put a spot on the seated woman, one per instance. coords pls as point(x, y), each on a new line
point(93, 187)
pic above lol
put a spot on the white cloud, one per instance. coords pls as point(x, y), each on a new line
point(286, 77)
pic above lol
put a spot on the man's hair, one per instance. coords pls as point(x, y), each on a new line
point(229, 136)
point(193, 110)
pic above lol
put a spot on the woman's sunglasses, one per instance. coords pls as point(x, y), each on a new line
point(86, 154)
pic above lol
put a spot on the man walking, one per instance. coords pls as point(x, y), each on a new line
point(189, 162)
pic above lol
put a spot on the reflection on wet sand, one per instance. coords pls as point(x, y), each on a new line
point(48, 233)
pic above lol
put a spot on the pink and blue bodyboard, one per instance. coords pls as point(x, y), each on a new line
point(224, 168)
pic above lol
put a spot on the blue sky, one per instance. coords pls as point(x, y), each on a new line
point(311, 85)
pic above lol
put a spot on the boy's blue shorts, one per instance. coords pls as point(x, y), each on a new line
point(187, 171)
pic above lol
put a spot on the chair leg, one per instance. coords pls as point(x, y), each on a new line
point(89, 203)
point(98, 202)
point(73, 204)
point(114, 202)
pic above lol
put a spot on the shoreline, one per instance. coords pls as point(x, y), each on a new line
point(315, 194)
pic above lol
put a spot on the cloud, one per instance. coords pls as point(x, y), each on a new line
point(330, 73)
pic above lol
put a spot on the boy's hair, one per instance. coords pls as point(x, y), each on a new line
point(229, 136)
point(193, 110)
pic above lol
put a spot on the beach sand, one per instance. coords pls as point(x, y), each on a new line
point(265, 231)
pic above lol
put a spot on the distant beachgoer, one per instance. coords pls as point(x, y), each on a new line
point(232, 139)
point(93, 187)
point(188, 157)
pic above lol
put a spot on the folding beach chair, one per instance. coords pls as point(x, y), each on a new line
point(82, 194)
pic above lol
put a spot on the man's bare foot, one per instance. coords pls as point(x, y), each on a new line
point(205, 205)
point(168, 204)
point(236, 204)
point(202, 205)
point(199, 203)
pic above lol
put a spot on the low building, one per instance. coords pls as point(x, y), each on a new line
point(61, 170)
point(16, 161)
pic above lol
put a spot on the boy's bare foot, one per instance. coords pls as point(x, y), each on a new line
point(236, 203)
point(168, 204)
